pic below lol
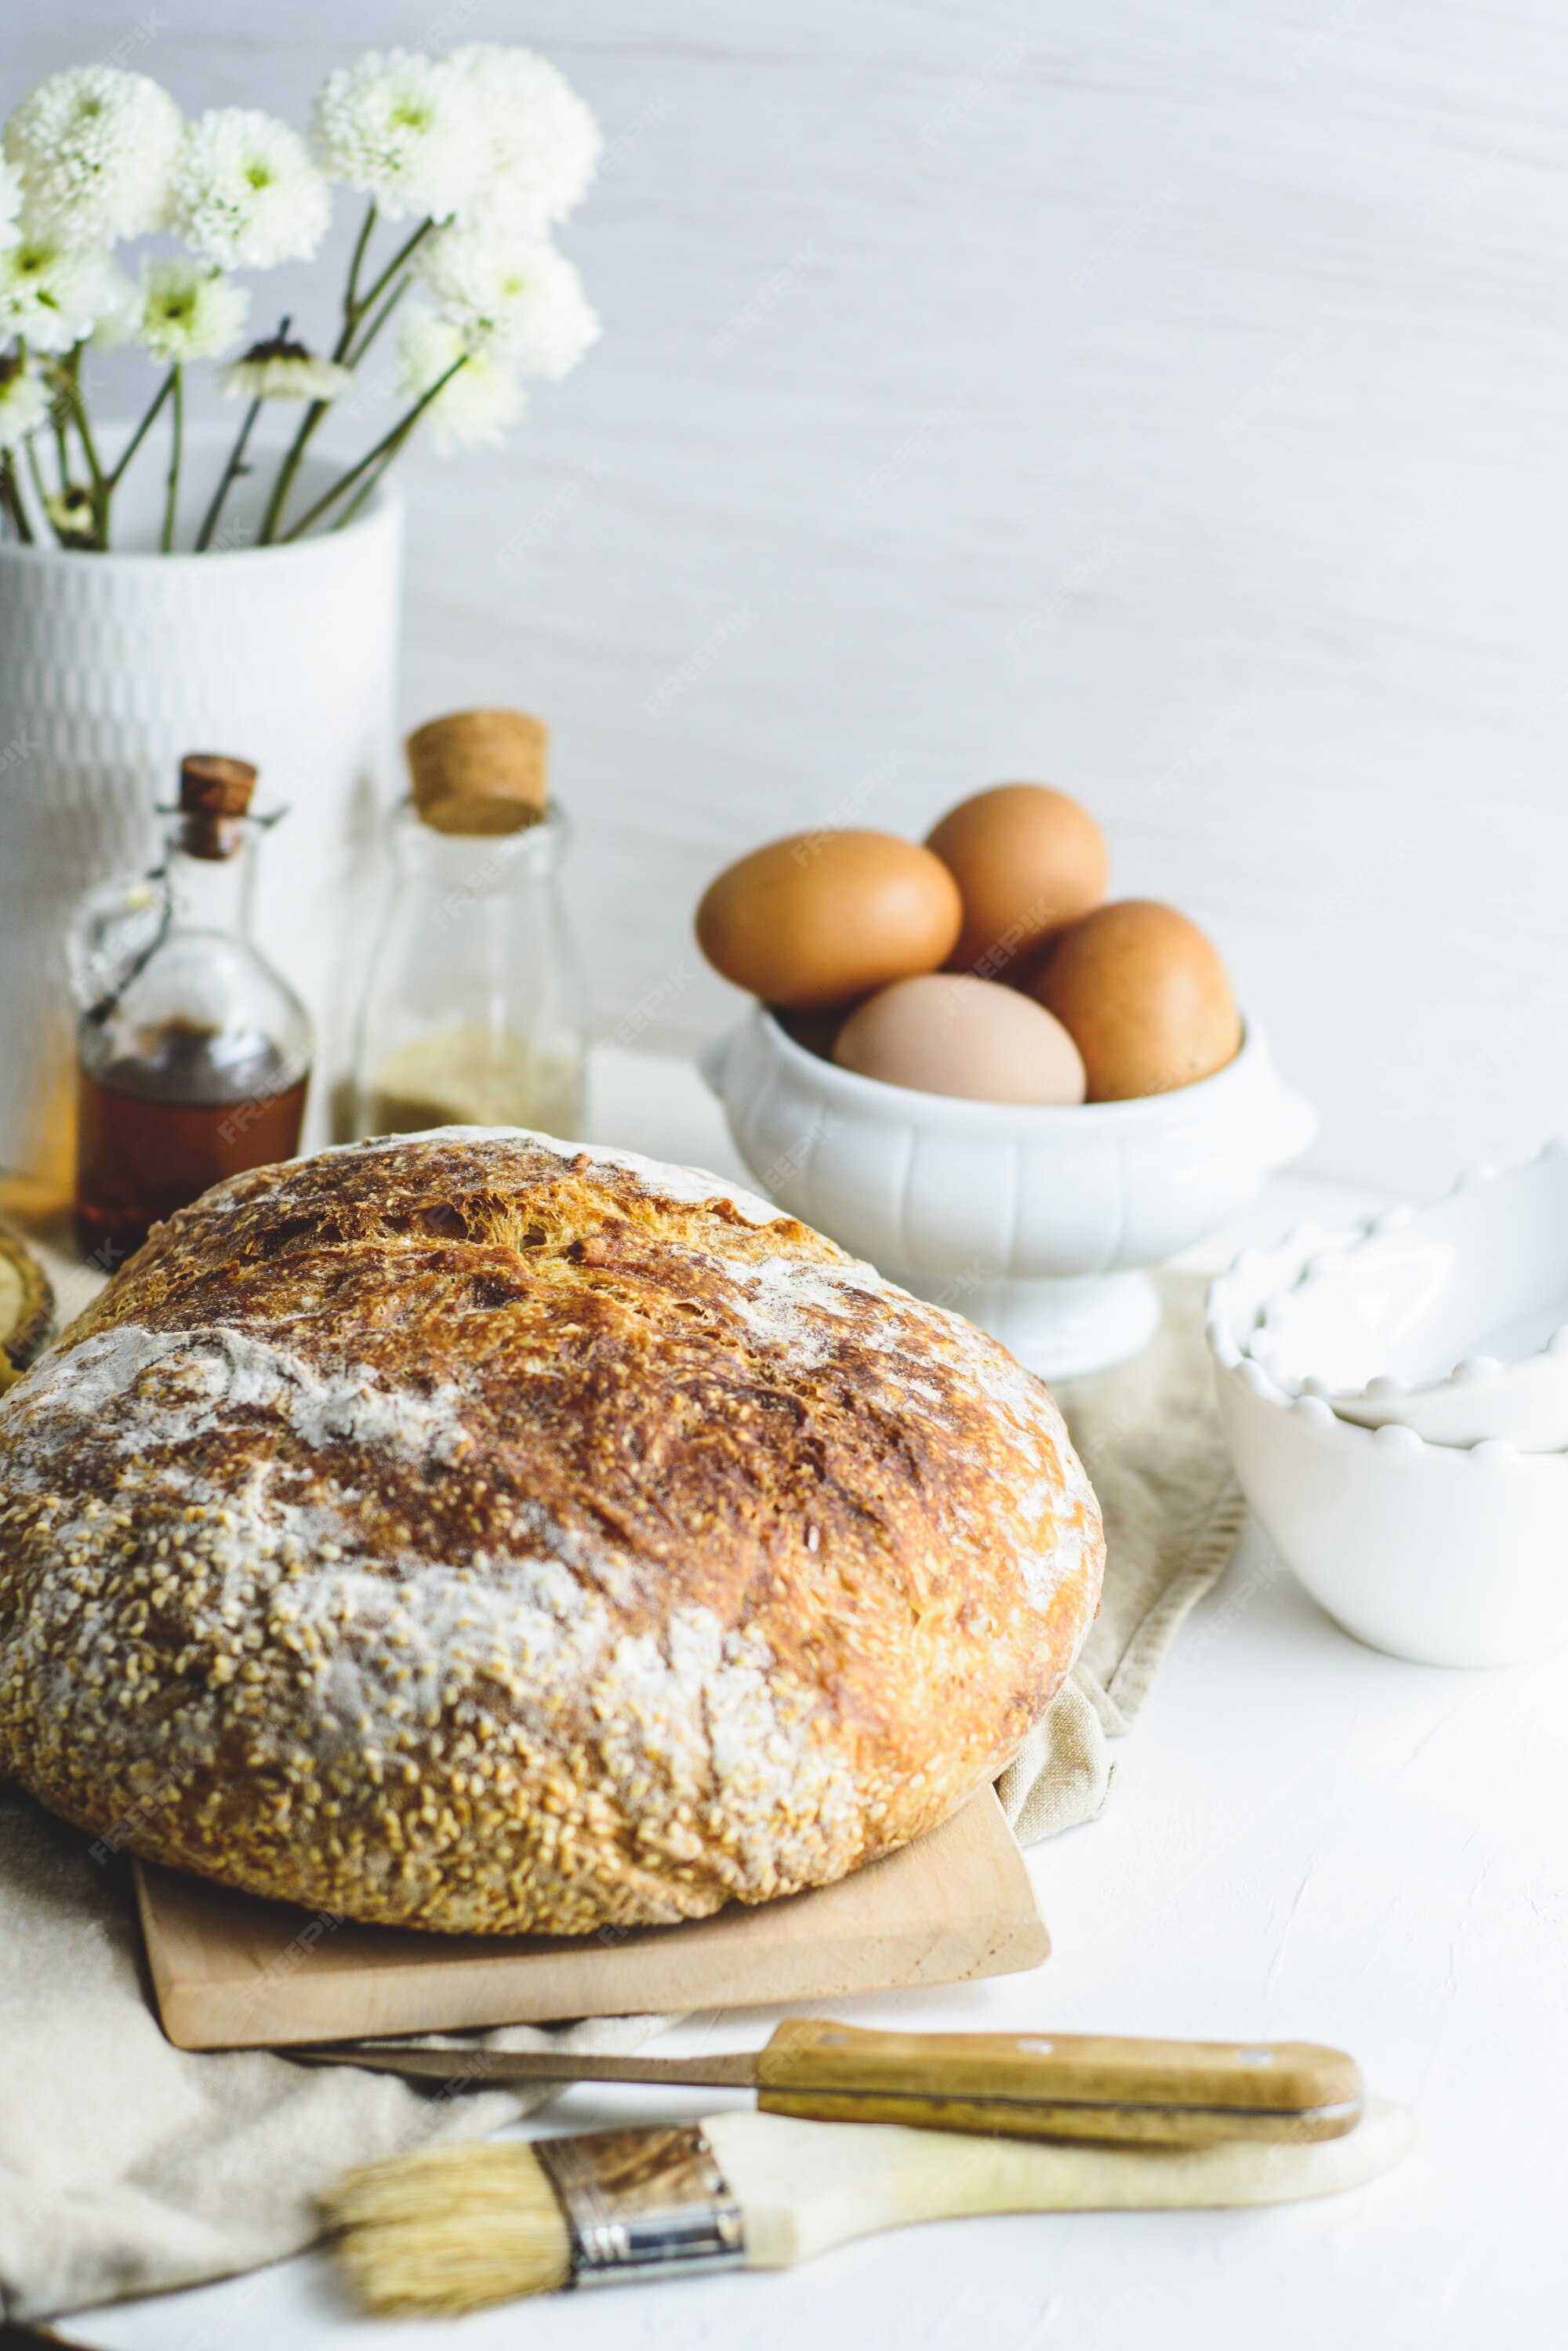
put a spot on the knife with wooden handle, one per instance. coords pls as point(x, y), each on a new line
point(1059, 2085)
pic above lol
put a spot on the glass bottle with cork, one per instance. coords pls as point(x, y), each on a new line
point(470, 1014)
point(194, 1054)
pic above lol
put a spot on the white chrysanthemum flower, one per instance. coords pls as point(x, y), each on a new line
point(246, 193)
point(279, 369)
point(525, 302)
point(189, 310)
point(406, 129)
point(53, 294)
point(482, 398)
point(544, 143)
point(96, 147)
point(10, 203)
point(23, 402)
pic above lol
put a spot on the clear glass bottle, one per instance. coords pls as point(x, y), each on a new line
point(470, 1014)
point(194, 1054)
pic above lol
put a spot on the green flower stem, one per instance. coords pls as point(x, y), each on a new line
point(78, 410)
point(287, 470)
point(351, 291)
point(58, 411)
point(137, 438)
point(367, 300)
point(355, 307)
point(176, 445)
point(294, 454)
point(382, 314)
point(368, 487)
point(70, 385)
point(386, 447)
point(11, 499)
point(210, 521)
point(233, 469)
point(40, 492)
point(59, 417)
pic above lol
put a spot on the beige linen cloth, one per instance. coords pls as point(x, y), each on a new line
point(1148, 1433)
point(128, 2167)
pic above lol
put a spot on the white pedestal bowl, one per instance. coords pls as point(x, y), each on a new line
point(1037, 1224)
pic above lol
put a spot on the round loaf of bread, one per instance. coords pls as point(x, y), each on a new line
point(473, 1533)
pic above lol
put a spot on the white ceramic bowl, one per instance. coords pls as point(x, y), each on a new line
point(1448, 1556)
point(1031, 1221)
point(1451, 1320)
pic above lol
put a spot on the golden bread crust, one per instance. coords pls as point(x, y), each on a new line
point(475, 1533)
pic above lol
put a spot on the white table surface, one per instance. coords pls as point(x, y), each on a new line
point(1304, 1839)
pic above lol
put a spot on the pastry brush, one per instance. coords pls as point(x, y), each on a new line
point(453, 2227)
point(1017, 2085)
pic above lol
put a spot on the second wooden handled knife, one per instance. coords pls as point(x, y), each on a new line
point(1067, 2085)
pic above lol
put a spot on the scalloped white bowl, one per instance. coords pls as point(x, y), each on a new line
point(1445, 1555)
point(1033, 1222)
point(1451, 1319)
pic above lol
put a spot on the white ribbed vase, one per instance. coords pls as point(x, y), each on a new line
point(113, 666)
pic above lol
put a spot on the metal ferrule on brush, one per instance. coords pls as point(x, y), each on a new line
point(637, 2202)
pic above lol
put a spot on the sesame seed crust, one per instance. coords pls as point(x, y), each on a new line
point(477, 1533)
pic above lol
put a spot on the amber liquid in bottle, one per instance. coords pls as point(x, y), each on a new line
point(193, 1053)
point(154, 1130)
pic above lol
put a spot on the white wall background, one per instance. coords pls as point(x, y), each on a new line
point(1166, 402)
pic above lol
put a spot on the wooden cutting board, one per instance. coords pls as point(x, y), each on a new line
point(231, 1972)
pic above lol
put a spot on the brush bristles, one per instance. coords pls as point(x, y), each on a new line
point(450, 2230)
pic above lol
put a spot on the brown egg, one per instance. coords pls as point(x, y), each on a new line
point(828, 915)
point(948, 1033)
point(1029, 862)
point(1144, 997)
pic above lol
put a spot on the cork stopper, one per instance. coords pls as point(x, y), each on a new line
point(214, 798)
point(480, 771)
